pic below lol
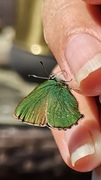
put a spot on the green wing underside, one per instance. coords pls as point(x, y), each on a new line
point(49, 104)
point(64, 108)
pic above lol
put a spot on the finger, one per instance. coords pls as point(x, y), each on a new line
point(73, 33)
point(80, 146)
point(93, 1)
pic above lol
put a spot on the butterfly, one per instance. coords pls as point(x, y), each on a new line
point(50, 104)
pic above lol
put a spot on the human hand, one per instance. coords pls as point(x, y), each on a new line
point(72, 31)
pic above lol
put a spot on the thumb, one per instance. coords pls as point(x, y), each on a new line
point(73, 33)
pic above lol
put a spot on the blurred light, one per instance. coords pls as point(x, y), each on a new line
point(36, 49)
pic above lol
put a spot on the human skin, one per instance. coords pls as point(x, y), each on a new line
point(72, 30)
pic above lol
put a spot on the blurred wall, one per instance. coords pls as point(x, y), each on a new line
point(7, 12)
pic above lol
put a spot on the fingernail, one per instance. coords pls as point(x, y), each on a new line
point(82, 151)
point(83, 55)
point(80, 143)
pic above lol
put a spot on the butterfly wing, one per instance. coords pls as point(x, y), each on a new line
point(62, 110)
point(49, 104)
point(32, 109)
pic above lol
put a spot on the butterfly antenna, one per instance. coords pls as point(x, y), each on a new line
point(44, 68)
point(38, 77)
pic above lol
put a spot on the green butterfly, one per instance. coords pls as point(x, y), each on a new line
point(50, 104)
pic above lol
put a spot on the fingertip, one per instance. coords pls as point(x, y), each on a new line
point(80, 145)
point(85, 63)
point(91, 85)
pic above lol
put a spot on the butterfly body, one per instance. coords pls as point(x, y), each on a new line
point(50, 104)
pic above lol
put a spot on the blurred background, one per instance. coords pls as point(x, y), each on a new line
point(25, 151)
